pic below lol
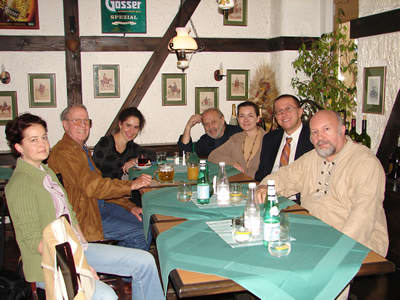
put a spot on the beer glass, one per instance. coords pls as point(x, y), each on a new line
point(165, 173)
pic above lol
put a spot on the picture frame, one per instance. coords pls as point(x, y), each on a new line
point(15, 18)
point(237, 85)
point(8, 106)
point(374, 90)
point(106, 81)
point(42, 90)
point(173, 89)
point(237, 16)
point(206, 97)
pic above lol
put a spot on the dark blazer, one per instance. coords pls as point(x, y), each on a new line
point(270, 146)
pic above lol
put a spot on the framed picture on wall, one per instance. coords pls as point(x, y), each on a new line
point(238, 15)
point(237, 85)
point(8, 106)
point(206, 97)
point(374, 90)
point(173, 89)
point(19, 14)
point(106, 81)
point(42, 90)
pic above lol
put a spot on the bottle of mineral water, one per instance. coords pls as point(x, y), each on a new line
point(271, 216)
point(252, 217)
point(222, 186)
point(203, 186)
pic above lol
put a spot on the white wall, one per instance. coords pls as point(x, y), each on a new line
point(266, 19)
point(379, 50)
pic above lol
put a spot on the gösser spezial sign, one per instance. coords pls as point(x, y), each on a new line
point(123, 16)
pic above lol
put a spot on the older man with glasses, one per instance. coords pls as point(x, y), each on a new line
point(101, 205)
point(286, 144)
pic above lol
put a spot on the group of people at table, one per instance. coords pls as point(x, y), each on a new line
point(339, 181)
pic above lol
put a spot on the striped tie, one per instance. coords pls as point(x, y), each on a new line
point(284, 161)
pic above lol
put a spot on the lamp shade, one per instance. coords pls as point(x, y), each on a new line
point(226, 4)
point(182, 41)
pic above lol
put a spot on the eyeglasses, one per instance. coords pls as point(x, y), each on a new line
point(78, 122)
point(288, 110)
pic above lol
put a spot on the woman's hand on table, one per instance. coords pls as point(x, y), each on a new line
point(137, 212)
point(261, 193)
point(129, 164)
point(142, 181)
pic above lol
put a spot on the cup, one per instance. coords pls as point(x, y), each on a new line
point(240, 233)
point(161, 157)
point(142, 159)
point(184, 193)
point(235, 193)
point(165, 173)
point(192, 171)
point(282, 246)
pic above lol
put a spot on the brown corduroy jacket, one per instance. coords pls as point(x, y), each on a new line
point(84, 187)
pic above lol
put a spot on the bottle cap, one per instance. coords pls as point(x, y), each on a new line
point(252, 185)
point(221, 163)
point(270, 182)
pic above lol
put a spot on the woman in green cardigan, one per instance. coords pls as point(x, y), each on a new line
point(35, 198)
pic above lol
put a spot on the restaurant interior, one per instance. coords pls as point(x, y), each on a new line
point(68, 48)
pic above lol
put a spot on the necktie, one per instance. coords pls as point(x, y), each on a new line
point(284, 161)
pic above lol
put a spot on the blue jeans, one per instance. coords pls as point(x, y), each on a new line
point(127, 262)
point(119, 224)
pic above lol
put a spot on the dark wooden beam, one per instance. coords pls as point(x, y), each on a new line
point(32, 43)
point(72, 52)
point(385, 22)
point(116, 43)
point(156, 61)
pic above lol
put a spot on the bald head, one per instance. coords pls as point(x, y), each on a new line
point(327, 133)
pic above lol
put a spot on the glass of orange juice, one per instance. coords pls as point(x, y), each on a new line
point(192, 171)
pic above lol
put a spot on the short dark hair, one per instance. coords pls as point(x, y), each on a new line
point(132, 112)
point(15, 129)
point(295, 99)
point(249, 103)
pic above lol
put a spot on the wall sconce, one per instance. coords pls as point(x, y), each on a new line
point(225, 5)
point(184, 46)
point(5, 77)
point(219, 74)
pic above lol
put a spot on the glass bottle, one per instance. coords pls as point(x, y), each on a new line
point(203, 187)
point(252, 218)
point(394, 167)
point(261, 121)
point(271, 216)
point(222, 185)
point(364, 137)
point(233, 120)
point(353, 131)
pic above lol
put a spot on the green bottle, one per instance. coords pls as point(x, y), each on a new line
point(203, 185)
point(271, 217)
point(353, 132)
point(365, 139)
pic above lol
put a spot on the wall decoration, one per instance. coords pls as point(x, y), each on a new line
point(206, 97)
point(19, 14)
point(8, 106)
point(238, 15)
point(118, 16)
point(374, 90)
point(106, 81)
point(173, 89)
point(42, 90)
point(237, 85)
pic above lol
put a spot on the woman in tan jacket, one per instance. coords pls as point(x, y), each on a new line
point(242, 150)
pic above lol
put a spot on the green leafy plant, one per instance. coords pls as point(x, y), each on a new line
point(320, 67)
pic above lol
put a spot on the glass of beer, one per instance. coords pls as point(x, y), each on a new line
point(165, 173)
point(192, 171)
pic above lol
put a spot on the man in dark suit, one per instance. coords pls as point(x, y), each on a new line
point(287, 143)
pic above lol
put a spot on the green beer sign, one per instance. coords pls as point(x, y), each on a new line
point(123, 16)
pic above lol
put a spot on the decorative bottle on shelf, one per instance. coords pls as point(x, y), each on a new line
point(252, 218)
point(222, 185)
point(233, 120)
point(353, 131)
point(271, 216)
point(394, 169)
point(203, 186)
point(364, 137)
point(261, 121)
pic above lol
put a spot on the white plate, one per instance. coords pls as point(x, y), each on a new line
point(143, 167)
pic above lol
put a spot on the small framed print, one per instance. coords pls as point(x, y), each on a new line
point(42, 90)
point(206, 97)
point(237, 85)
point(173, 89)
point(8, 106)
point(106, 81)
point(374, 90)
point(238, 15)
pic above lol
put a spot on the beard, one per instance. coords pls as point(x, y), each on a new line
point(326, 151)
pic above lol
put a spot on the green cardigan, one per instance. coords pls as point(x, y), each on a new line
point(31, 209)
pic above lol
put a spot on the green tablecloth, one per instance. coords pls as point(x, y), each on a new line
point(322, 261)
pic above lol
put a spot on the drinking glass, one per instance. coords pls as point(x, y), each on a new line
point(192, 171)
point(161, 157)
point(142, 159)
point(281, 246)
point(184, 192)
point(235, 192)
point(240, 233)
point(165, 173)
